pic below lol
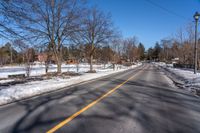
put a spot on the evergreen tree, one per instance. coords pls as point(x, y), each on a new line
point(141, 51)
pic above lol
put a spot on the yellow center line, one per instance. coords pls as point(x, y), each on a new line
point(61, 124)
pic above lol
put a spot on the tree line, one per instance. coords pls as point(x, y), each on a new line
point(129, 50)
point(63, 28)
point(179, 47)
point(73, 29)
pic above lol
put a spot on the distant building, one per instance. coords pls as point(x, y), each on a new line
point(43, 57)
point(175, 60)
point(71, 61)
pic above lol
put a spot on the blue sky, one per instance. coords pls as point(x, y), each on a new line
point(149, 22)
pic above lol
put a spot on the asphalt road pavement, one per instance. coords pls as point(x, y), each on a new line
point(141, 100)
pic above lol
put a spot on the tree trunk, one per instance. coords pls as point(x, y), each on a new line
point(46, 67)
point(77, 67)
point(59, 64)
point(91, 63)
point(113, 66)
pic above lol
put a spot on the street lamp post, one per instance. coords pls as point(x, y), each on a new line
point(196, 17)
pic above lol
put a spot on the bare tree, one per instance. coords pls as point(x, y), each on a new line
point(180, 36)
point(27, 54)
point(5, 29)
point(166, 45)
point(48, 58)
point(97, 29)
point(44, 22)
point(117, 47)
point(130, 49)
point(190, 33)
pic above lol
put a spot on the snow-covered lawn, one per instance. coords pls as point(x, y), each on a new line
point(37, 70)
point(20, 91)
point(185, 77)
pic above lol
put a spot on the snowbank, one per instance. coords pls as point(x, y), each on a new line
point(16, 92)
point(184, 78)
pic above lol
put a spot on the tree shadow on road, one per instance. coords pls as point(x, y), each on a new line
point(136, 107)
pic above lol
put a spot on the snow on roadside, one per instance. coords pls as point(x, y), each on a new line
point(184, 77)
point(6, 81)
point(16, 92)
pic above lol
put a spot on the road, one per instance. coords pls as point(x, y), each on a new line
point(142, 100)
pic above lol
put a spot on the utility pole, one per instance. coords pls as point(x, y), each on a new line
point(196, 17)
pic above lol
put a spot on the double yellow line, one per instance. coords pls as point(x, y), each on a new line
point(61, 124)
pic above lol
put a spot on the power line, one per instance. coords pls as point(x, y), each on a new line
point(166, 10)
